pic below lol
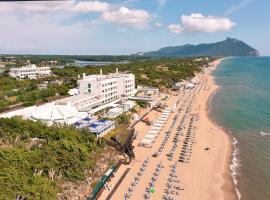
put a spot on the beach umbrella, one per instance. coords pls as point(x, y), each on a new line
point(152, 190)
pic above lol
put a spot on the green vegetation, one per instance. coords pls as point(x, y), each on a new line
point(121, 130)
point(228, 47)
point(142, 104)
point(26, 92)
point(123, 119)
point(152, 72)
point(35, 158)
point(63, 59)
point(162, 73)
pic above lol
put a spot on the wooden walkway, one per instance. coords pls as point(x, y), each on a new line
point(117, 184)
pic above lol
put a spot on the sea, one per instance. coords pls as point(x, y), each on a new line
point(242, 107)
point(82, 63)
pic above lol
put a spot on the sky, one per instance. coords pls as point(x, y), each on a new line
point(129, 26)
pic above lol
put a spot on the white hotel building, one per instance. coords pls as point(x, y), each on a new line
point(30, 71)
point(98, 90)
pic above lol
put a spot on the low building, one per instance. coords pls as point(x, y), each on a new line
point(102, 127)
point(30, 71)
point(85, 122)
point(99, 127)
point(148, 90)
point(9, 59)
point(49, 62)
point(178, 85)
point(142, 98)
point(56, 113)
point(49, 113)
point(114, 112)
point(128, 105)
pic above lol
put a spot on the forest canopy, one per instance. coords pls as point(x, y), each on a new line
point(35, 157)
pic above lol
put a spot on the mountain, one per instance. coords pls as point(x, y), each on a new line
point(228, 47)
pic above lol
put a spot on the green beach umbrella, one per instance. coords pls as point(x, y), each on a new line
point(152, 190)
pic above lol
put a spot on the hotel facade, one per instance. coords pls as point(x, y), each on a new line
point(98, 90)
point(30, 71)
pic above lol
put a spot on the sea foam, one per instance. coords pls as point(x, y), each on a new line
point(264, 133)
point(234, 168)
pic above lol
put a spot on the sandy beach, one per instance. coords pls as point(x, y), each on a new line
point(203, 175)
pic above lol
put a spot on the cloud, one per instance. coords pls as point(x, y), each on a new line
point(161, 4)
point(175, 28)
point(209, 24)
point(65, 26)
point(198, 23)
point(125, 16)
point(238, 7)
point(42, 7)
point(158, 24)
point(120, 15)
point(39, 34)
point(91, 6)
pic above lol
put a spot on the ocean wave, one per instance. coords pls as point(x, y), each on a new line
point(264, 133)
point(234, 168)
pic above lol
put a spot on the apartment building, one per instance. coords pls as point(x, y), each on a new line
point(30, 71)
point(98, 90)
point(109, 87)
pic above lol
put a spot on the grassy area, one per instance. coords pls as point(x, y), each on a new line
point(121, 132)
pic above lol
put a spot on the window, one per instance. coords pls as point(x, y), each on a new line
point(89, 88)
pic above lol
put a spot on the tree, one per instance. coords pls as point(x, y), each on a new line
point(123, 119)
point(33, 170)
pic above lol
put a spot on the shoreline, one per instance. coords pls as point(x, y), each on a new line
point(229, 188)
point(205, 174)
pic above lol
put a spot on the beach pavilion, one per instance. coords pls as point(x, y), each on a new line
point(57, 113)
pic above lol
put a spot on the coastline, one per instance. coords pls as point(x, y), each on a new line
point(228, 186)
point(207, 174)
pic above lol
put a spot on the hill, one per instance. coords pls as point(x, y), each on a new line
point(228, 47)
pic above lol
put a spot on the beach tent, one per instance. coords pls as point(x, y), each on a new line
point(160, 121)
point(165, 117)
point(150, 137)
point(155, 128)
point(157, 125)
point(152, 134)
point(167, 111)
point(153, 131)
point(57, 113)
